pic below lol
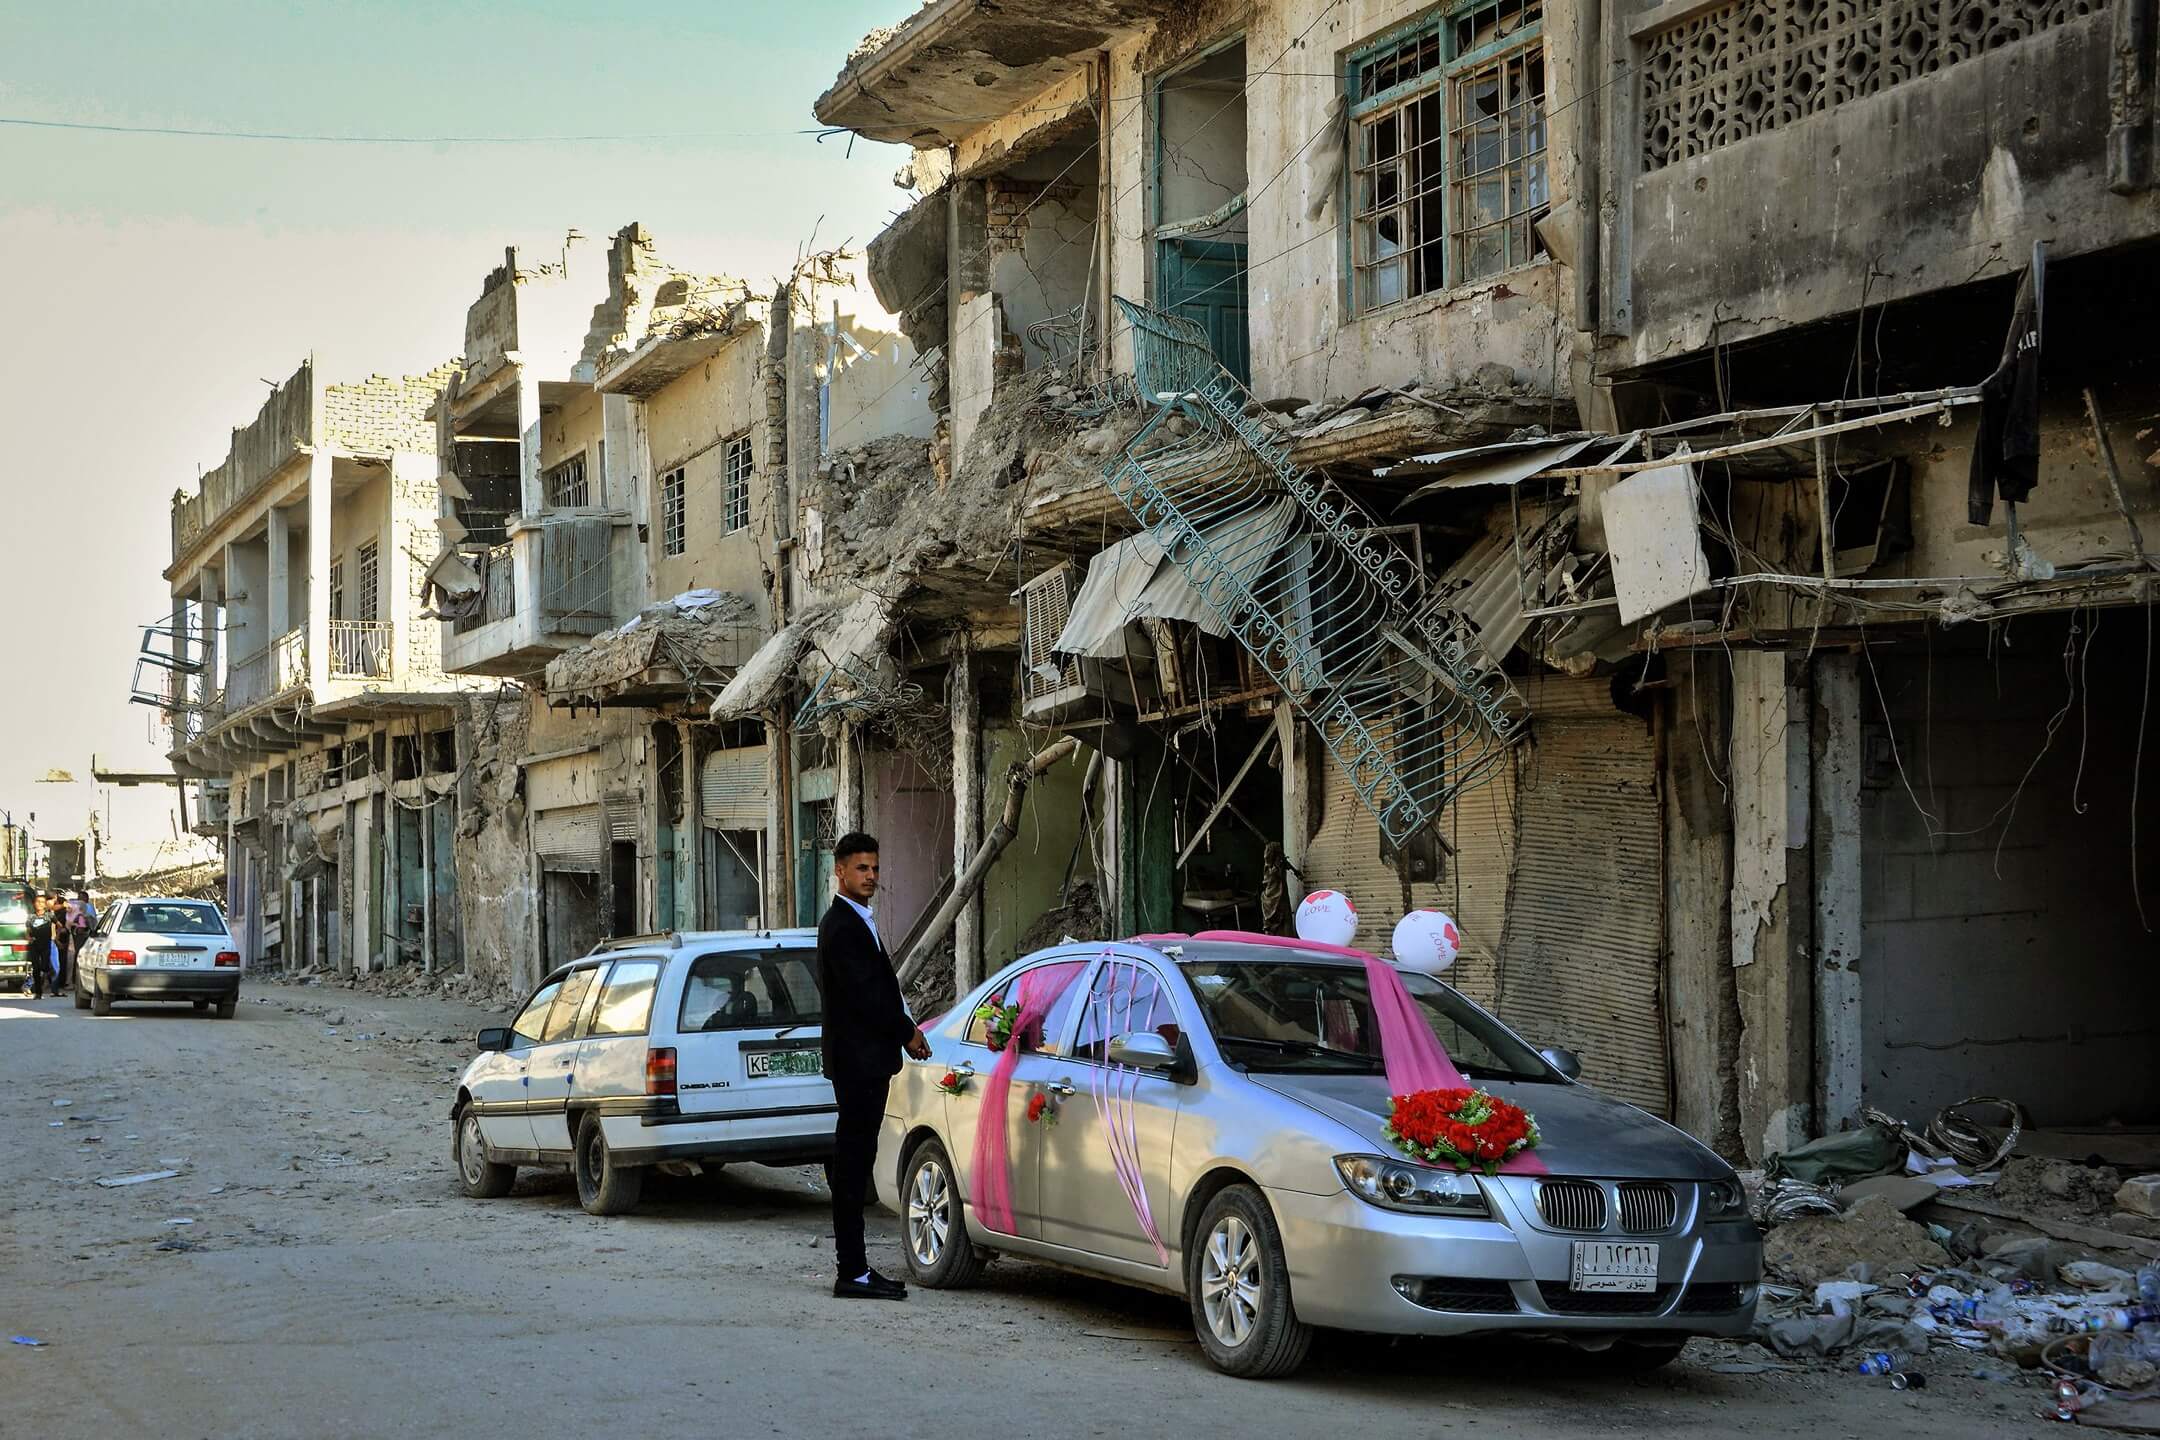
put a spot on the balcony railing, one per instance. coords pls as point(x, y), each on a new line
point(288, 660)
point(360, 649)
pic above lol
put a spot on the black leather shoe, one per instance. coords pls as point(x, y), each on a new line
point(898, 1287)
point(866, 1290)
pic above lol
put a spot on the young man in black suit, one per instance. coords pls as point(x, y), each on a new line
point(866, 1028)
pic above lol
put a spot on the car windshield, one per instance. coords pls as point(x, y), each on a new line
point(1316, 1018)
point(747, 989)
point(173, 919)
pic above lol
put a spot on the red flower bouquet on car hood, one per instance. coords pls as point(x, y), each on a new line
point(1467, 1129)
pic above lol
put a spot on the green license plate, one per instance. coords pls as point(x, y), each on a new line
point(767, 1064)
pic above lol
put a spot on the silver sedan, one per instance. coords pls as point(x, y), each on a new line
point(1205, 1117)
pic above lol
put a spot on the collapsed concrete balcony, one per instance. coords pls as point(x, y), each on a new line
point(545, 589)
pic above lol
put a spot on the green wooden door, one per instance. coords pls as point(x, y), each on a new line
point(1204, 281)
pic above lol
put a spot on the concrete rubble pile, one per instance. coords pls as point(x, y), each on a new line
point(698, 632)
point(1876, 1246)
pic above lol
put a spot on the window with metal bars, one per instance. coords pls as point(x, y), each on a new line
point(370, 593)
point(672, 528)
point(337, 590)
point(565, 483)
point(1447, 173)
point(736, 470)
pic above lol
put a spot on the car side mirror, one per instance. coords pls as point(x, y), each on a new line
point(1142, 1050)
point(1567, 1062)
point(495, 1037)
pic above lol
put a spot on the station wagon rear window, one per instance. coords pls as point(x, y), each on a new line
point(173, 919)
point(750, 990)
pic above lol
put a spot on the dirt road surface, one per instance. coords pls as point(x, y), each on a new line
point(312, 1271)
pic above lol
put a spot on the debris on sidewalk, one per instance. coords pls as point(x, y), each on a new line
point(1816, 1248)
point(114, 1182)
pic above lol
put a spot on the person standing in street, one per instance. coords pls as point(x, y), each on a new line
point(38, 935)
point(81, 917)
point(866, 1029)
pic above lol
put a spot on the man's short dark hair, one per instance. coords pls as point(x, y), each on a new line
point(854, 843)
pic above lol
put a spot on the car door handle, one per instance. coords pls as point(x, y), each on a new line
point(1057, 1087)
point(965, 1070)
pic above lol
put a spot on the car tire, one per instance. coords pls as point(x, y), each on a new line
point(603, 1187)
point(100, 1000)
point(227, 1006)
point(933, 1227)
point(479, 1177)
point(1238, 1281)
point(81, 996)
point(201, 1005)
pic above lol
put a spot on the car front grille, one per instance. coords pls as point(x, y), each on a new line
point(1710, 1299)
point(1561, 1300)
point(1443, 1292)
point(1572, 1205)
point(1647, 1209)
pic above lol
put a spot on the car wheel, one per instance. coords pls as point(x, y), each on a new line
point(201, 1005)
point(939, 1253)
point(227, 1006)
point(100, 1000)
point(1239, 1284)
point(603, 1187)
point(82, 997)
point(478, 1176)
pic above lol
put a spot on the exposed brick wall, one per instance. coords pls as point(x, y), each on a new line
point(1009, 201)
point(380, 413)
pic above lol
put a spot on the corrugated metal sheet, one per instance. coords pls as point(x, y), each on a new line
point(1136, 580)
point(1556, 883)
point(573, 837)
point(1482, 583)
point(1580, 961)
point(735, 789)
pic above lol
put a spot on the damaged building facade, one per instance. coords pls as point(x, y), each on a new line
point(312, 720)
point(1396, 441)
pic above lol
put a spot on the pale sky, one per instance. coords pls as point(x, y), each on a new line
point(151, 285)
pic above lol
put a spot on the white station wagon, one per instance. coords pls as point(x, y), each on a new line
point(688, 1048)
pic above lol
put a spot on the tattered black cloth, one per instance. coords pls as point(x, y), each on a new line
point(2006, 452)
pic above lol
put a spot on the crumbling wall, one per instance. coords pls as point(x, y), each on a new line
point(381, 414)
point(498, 908)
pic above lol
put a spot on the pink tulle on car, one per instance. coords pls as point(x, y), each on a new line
point(990, 1174)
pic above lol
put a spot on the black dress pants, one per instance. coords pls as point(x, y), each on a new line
point(862, 1109)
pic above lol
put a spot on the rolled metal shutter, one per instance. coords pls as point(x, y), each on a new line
point(572, 837)
point(735, 788)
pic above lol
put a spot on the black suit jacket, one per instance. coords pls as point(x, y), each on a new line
point(865, 1022)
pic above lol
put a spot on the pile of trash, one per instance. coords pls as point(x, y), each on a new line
point(1869, 1266)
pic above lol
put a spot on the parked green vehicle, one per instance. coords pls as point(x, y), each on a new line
point(14, 938)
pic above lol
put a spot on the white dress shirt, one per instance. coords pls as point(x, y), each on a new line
point(867, 919)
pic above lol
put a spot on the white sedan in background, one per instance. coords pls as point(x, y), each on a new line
point(153, 948)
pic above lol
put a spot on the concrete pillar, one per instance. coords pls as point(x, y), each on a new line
point(1836, 762)
point(1773, 909)
point(967, 753)
point(532, 499)
point(210, 597)
point(319, 496)
point(279, 599)
point(1703, 1011)
point(848, 781)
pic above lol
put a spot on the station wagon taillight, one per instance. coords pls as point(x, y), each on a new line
point(228, 959)
point(120, 957)
point(660, 1071)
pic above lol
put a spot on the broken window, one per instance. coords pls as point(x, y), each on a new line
point(671, 513)
point(736, 468)
point(1447, 143)
point(370, 595)
point(565, 483)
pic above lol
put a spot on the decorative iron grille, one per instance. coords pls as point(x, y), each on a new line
point(1756, 65)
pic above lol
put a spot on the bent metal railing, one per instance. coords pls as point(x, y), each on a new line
point(1402, 694)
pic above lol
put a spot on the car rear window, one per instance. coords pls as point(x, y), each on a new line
point(750, 989)
point(173, 919)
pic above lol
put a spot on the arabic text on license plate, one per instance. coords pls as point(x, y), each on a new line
point(765, 1064)
point(179, 959)
point(1614, 1267)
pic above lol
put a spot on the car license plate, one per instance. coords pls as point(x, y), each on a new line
point(1614, 1267)
point(179, 959)
point(769, 1064)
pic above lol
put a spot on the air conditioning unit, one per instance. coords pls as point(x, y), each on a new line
point(1068, 689)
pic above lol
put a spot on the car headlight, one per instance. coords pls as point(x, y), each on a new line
point(1399, 1185)
point(1723, 1200)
